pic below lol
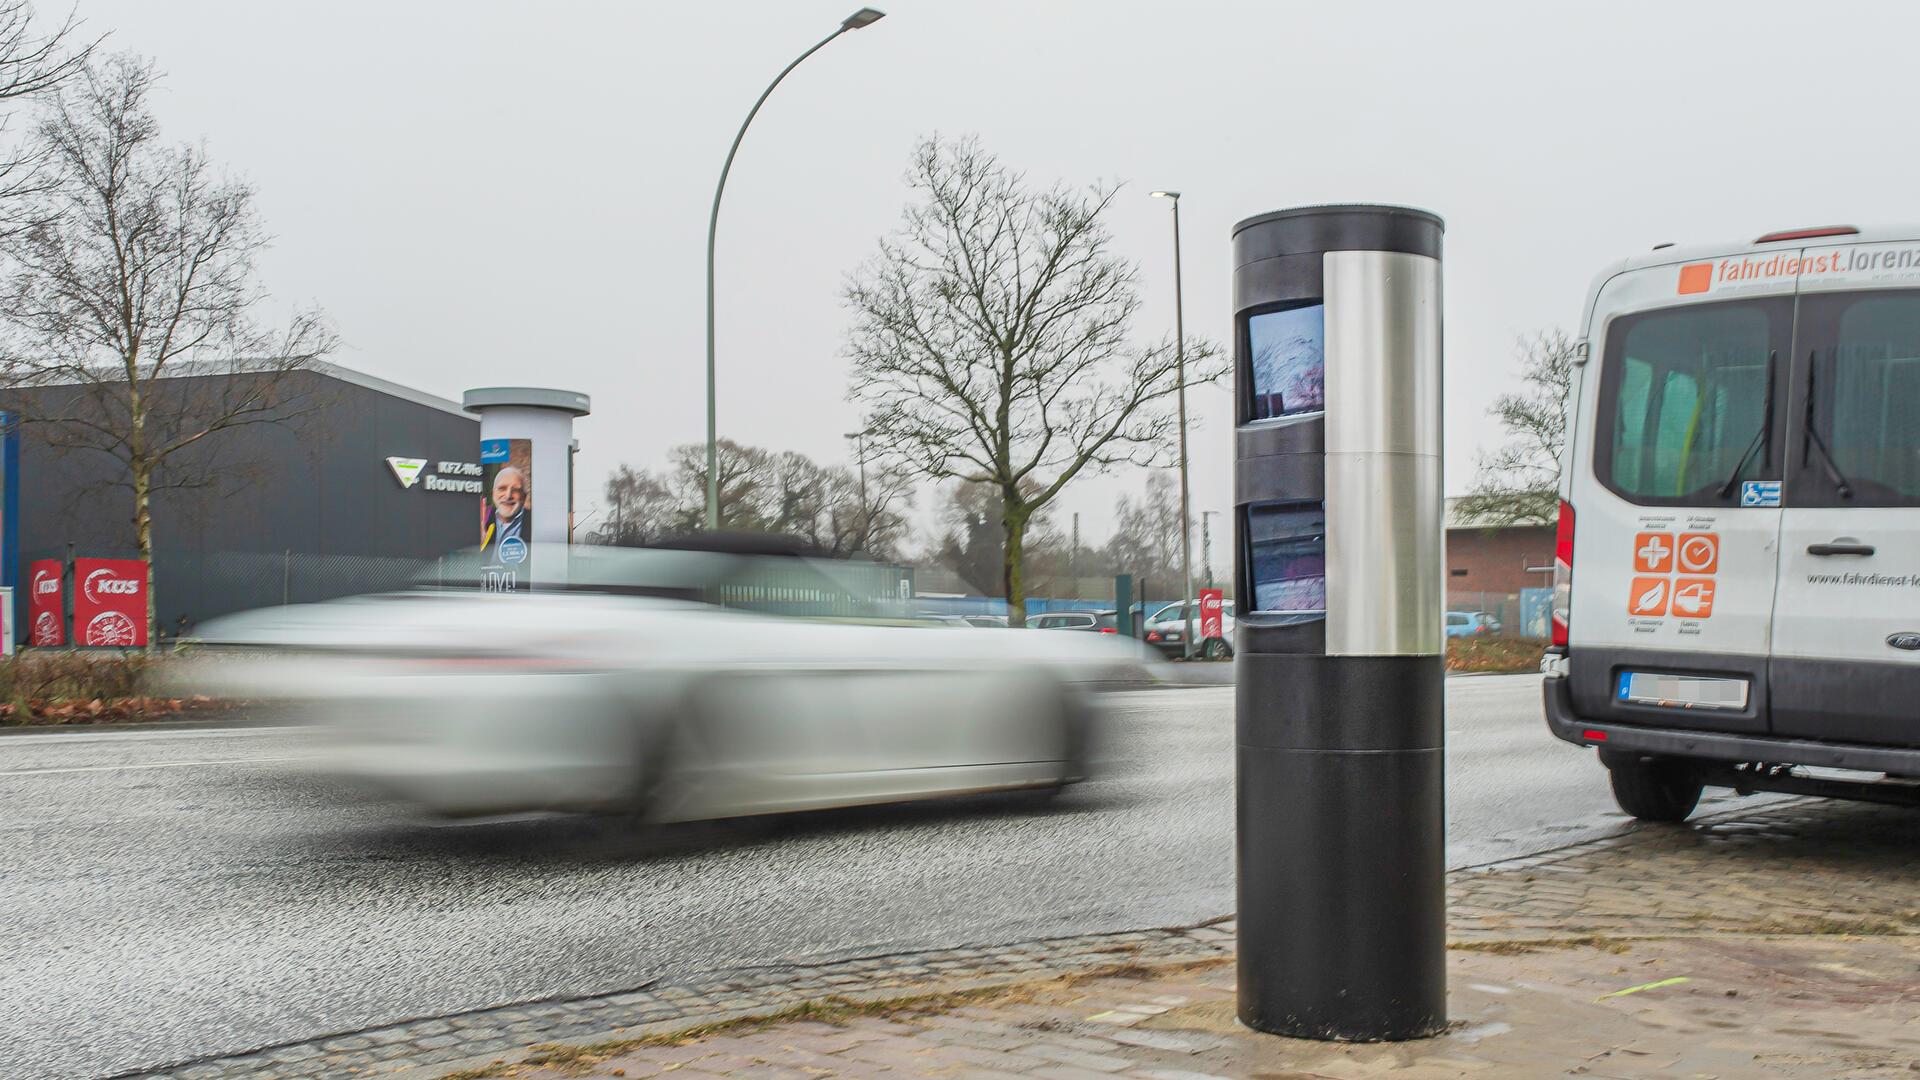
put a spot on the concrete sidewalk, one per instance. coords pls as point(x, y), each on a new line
point(1713, 1007)
point(1781, 941)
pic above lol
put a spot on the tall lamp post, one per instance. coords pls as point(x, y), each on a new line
point(1180, 372)
point(863, 18)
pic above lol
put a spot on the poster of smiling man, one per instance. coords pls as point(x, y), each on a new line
point(506, 514)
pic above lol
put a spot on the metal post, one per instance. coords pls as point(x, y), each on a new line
point(1180, 373)
point(1339, 706)
point(1206, 544)
point(1073, 555)
point(866, 516)
point(1123, 604)
point(862, 18)
point(286, 578)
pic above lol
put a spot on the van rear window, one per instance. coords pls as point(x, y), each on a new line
point(1681, 397)
point(1866, 387)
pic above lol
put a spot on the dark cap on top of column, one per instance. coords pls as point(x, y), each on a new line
point(1338, 227)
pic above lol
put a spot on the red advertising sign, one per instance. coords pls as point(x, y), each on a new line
point(46, 615)
point(1210, 601)
point(109, 602)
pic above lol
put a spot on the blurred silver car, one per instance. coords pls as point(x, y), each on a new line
point(617, 685)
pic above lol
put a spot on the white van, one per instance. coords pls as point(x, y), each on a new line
point(1737, 596)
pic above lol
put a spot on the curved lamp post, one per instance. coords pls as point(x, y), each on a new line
point(863, 18)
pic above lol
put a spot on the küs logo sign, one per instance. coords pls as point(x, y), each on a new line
point(110, 602)
point(46, 613)
point(103, 582)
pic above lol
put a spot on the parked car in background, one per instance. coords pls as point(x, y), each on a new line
point(1166, 630)
point(1470, 624)
point(1099, 622)
point(983, 622)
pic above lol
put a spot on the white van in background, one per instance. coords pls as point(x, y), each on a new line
point(1737, 596)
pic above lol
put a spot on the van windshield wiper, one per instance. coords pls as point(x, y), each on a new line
point(1814, 441)
point(1761, 438)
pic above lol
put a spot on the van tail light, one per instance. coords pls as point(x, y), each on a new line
point(1563, 574)
point(1108, 630)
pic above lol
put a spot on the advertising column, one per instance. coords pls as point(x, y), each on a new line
point(526, 450)
point(1338, 708)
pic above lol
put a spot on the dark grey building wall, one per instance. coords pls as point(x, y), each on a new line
point(300, 510)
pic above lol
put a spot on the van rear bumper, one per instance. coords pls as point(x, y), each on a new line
point(1568, 725)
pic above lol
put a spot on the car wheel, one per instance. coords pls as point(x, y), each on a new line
point(1077, 722)
point(1217, 649)
point(1655, 789)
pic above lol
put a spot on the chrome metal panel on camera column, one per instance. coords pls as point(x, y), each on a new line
point(1385, 573)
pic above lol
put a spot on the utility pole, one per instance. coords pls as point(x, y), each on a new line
point(1180, 373)
point(1206, 544)
point(1073, 555)
point(866, 516)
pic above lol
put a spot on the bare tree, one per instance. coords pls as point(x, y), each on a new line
point(1520, 482)
point(1146, 533)
point(32, 62)
point(639, 508)
point(746, 480)
point(827, 506)
point(991, 342)
point(138, 267)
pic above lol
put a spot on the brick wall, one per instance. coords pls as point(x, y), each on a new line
point(1494, 560)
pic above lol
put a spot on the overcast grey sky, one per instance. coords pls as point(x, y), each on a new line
point(490, 192)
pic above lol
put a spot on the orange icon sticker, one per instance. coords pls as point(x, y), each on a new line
point(1653, 553)
point(1696, 278)
point(1649, 596)
point(1693, 598)
point(1699, 553)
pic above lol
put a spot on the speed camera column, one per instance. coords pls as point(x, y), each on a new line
point(1339, 572)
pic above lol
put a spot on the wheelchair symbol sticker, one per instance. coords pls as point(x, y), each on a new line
point(1760, 493)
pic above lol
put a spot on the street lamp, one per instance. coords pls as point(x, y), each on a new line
point(1180, 373)
point(863, 18)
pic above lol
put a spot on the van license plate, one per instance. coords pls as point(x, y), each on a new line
point(1682, 691)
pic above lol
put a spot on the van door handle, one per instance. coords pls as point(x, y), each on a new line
point(1845, 545)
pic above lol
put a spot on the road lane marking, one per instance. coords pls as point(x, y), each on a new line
point(22, 738)
point(147, 765)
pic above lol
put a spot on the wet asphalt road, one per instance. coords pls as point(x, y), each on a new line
point(168, 895)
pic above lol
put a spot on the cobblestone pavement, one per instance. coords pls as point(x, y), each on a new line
point(1808, 913)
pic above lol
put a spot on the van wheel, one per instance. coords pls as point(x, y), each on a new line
point(1653, 789)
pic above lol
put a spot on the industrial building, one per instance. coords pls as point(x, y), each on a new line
point(351, 483)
